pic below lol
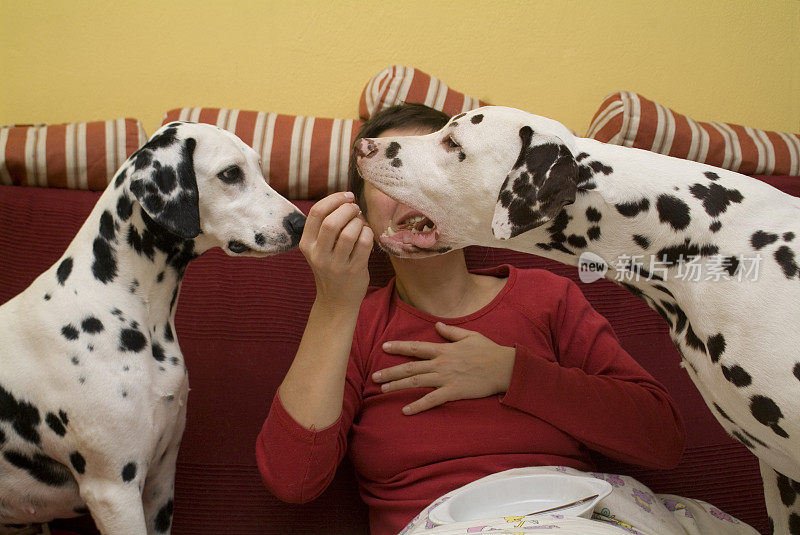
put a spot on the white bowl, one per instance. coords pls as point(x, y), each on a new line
point(520, 495)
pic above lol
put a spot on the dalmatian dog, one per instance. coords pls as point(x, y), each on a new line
point(501, 177)
point(93, 387)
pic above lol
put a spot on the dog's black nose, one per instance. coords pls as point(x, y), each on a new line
point(294, 223)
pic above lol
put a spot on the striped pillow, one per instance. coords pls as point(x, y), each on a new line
point(628, 119)
point(398, 84)
point(301, 157)
point(73, 155)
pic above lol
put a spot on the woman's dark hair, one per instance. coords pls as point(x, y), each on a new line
point(399, 116)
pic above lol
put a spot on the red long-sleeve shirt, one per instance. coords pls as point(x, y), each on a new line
point(573, 388)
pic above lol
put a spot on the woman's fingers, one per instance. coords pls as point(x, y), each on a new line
point(332, 226)
point(346, 241)
point(428, 401)
point(363, 247)
point(322, 209)
point(422, 380)
point(403, 371)
point(452, 332)
point(332, 233)
point(414, 348)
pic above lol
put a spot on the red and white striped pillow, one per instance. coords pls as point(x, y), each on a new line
point(398, 84)
point(301, 157)
point(629, 119)
point(73, 155)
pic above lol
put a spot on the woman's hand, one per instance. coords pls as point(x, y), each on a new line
point(470, 366)
point(336, 243)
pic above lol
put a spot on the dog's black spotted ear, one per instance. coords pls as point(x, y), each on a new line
point(164, 182)
point(542, 181)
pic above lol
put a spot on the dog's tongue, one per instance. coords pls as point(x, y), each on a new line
point(423, 240)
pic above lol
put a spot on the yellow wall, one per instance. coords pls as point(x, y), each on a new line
point(728, 60)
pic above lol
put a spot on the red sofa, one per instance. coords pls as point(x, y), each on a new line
point(239, 322)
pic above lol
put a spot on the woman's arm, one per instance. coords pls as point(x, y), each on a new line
point(592, 389)
point(596, 391)
point(336, 243)
point(304, 437)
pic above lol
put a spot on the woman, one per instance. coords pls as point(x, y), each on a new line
point(445, 375)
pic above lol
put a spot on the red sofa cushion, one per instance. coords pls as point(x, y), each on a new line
point(627, 118)
point(397, 84)
point(302, 157)
point(73, 155)
point(239, 322)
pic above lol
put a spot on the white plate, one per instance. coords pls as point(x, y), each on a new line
point(519, 495)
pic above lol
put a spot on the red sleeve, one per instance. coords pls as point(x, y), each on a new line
point(596, 391)
point(297, 464)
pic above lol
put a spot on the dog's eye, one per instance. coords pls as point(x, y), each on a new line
point(231, 175)
point(450, 143)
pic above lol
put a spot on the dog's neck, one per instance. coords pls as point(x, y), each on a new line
point(622, 217)
point(123, 250)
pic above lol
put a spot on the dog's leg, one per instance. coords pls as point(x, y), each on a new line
point(783, 501)
point(116, 508)
point(159, 487)
point(159, 490)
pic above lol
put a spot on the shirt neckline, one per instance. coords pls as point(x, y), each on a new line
point(504, 270)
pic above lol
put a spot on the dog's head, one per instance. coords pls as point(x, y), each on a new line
point(489, 174)
point(201, 182)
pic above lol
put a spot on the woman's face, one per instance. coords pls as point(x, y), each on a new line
point(398, 229)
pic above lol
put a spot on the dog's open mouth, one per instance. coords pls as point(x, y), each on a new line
point(415, 229)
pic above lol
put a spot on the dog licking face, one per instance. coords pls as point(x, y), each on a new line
point(488, 175)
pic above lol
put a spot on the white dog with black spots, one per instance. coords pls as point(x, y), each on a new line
point(93, 386)
point(501, 177)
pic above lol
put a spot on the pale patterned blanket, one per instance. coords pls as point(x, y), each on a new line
point(631, 507)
